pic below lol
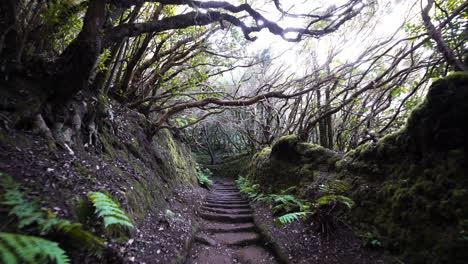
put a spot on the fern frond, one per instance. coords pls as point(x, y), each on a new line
point(288, 190)
point(289, 218)
point(15, 248)
point(333, 186)
point(109, 210)
point(111, 220)
point(29, 214)
point(327, 199)
point(204, 180)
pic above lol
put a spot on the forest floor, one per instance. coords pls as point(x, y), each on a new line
point(301, 242)
point(236, 231)
point(161, 238)
point(57, 180)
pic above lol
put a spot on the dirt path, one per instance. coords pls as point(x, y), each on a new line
point(228, 234)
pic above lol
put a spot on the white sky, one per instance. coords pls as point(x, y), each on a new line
point(391, 17)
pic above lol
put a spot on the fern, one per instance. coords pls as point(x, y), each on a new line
point(327, 199)
point(203, 175)
point(29, 214)
point(109, 210)
point(291, 217)
point(286, 202)
point(333, 186)
point(15, 248)
point(204, 180)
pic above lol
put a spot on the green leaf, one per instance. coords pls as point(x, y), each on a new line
point(109, 210)
point(15, 248)
point(289, 218)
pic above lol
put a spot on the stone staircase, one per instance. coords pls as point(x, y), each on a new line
point(228, 233)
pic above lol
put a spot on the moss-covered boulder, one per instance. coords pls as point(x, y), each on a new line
point(290, 162)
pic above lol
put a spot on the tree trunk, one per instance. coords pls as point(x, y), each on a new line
point(329, 121)
point(322, 125)
point(78, 60)
point(446, 52)
point(8, 36)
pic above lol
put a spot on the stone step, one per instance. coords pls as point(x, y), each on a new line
point(214, 227)
point(226, 197)
point(227, 202)
point(227, 206)
point(226, 193)
point(205, 239)
point(223, 197)
point(226, 211)
point(229, 218)
point(236, 239)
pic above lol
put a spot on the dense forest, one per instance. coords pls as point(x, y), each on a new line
point(157, 131)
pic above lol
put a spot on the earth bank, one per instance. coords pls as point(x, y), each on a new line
point(409, 188)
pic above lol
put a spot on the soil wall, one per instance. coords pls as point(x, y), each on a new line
point(147, 176)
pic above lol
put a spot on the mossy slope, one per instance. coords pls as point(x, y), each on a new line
point(411, 186)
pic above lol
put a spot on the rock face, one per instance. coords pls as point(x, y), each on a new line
point(411, 185)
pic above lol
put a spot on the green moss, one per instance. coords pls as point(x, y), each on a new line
point(84, 210)
point(284, 148)
point(185, 171)
point(141, 198)
point(82, 170)
point(410, 186)
point(16, 140)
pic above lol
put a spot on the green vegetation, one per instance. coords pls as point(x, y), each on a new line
point(327, 211)
point(15, 248)
point(407, 190)
point(289, 218)
point(33, 220)
point(109, 210)
point(203, 176)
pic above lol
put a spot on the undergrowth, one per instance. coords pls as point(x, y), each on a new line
point(326, 211)
point(32, 220)
point(15, 248)
point(116, 222)
point(203, 176)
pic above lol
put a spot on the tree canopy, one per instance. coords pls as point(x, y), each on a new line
point(193, 65)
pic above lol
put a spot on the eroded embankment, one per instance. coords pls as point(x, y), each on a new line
point(154, 180)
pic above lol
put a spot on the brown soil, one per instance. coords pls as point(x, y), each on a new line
point(55, 183)
point(228, 234)
point(300, 242)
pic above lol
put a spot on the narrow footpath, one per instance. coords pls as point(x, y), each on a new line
point(228, 233)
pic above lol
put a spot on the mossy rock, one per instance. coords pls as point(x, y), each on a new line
point(284, 149)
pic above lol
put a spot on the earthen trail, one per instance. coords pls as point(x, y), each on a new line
point(228, 233)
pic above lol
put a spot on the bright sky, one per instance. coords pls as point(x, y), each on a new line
point(391, 16)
